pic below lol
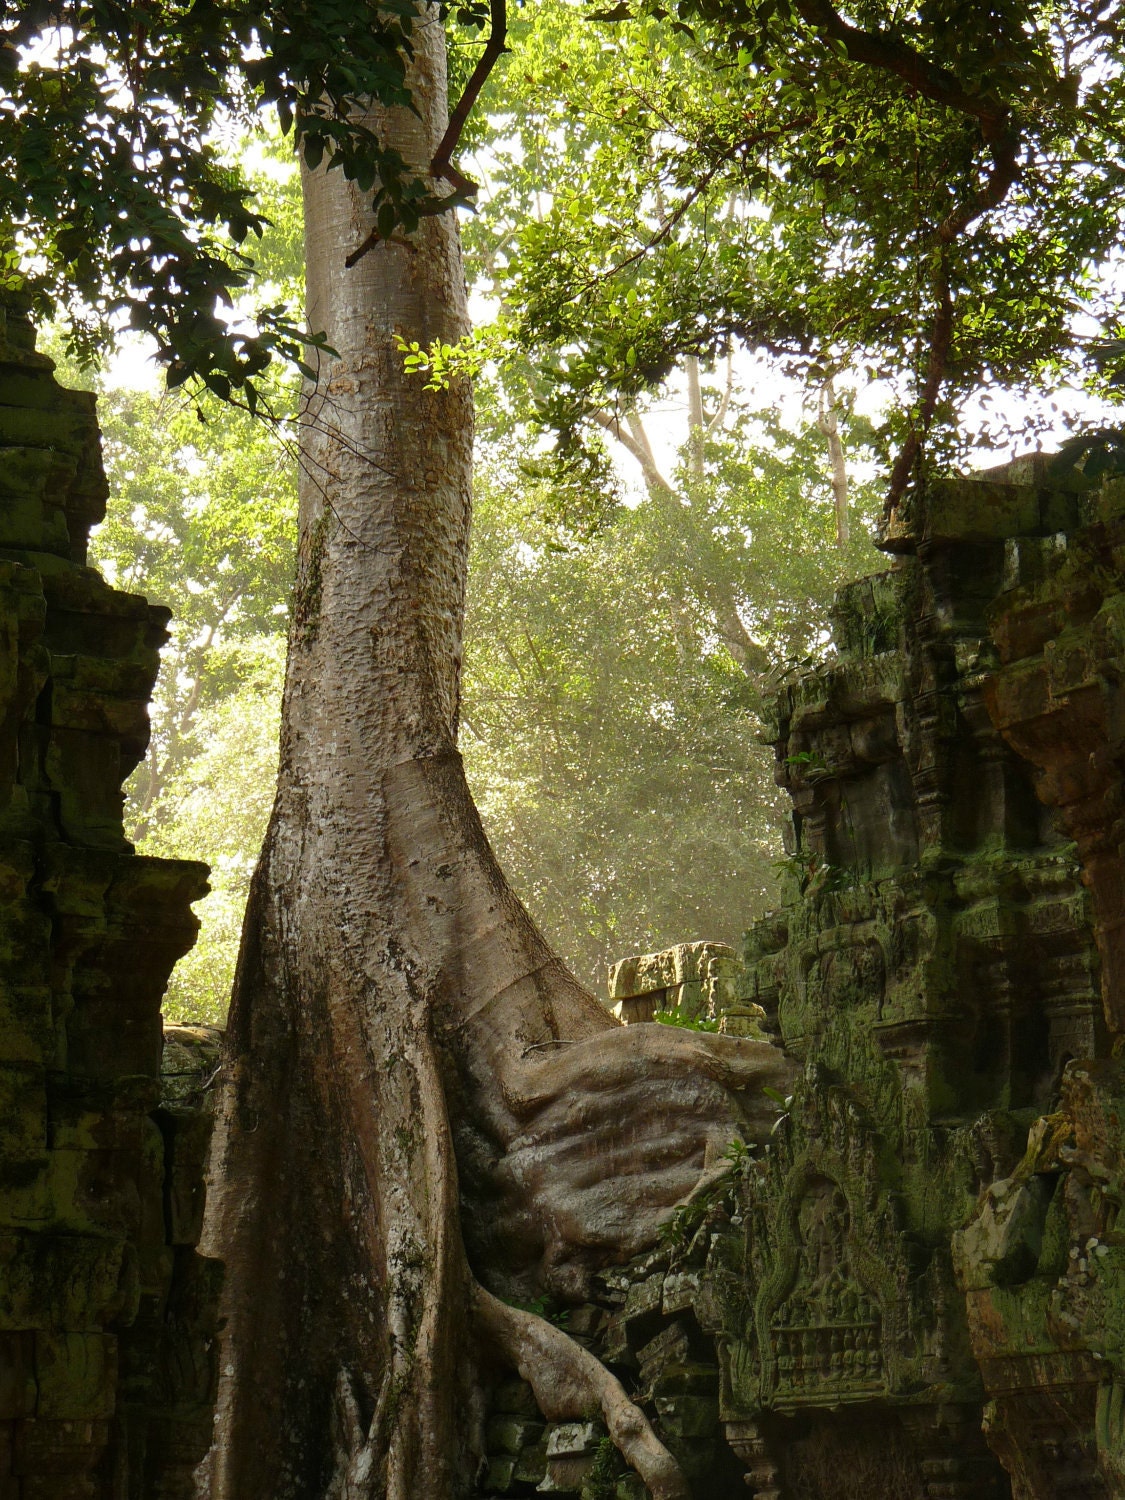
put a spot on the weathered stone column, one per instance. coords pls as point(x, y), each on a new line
point(106, 1310)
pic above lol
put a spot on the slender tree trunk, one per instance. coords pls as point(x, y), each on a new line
point(828, 420)
point(421, 1107)
point(696, 426)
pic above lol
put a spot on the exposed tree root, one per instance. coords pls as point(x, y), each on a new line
point(569, 1382)
point(604, 1140)
point(358, 1449)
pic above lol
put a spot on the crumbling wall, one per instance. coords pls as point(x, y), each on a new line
point(918, 1289)
point(106, 1309)
point(1043, 1263)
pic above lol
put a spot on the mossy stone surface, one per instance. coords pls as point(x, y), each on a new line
point(107, 1314)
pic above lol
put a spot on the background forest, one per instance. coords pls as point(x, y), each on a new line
point(633, 592)
point(661, 517)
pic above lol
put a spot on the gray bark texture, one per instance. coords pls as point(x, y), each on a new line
point(424, 1117)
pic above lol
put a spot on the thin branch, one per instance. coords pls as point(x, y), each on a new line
point(716, 422)
point(640, 436)
point(441, 165)
point(828, 422)
point(638, 446)
point(695, 417)
point(751, 657)
point(940, 341)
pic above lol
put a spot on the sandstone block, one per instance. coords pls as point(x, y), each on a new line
point(498, 1475)
point(516, 1398)
point(531, 1465)
point(62, 1281)
point(17, 1378)
point(508, 1434)
point(688, 1416)
point(568, 1439)
point(76, 1375)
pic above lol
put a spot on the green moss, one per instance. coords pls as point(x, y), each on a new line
point(310, 581)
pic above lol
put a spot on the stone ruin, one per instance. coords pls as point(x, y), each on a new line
point(107, 1313)
point(693, 982)
point(916, 1291)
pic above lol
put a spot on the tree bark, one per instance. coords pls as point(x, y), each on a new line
point(419, 1102)
point(828, 421)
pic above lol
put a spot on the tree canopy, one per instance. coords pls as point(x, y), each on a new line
point(928, 194)
point(117, 206)
point(657, 190)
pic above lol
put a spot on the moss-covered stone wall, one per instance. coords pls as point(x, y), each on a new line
point(917, 1291)
point(106, 1309)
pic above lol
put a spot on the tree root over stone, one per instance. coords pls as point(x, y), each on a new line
point(569, 1382)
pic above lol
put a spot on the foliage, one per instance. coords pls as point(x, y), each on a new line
point(215, 805)
point(545, 1307)
point(812, 874)
point(924, 196)
point(203, 520)
point(685, 1022)
point(605, 1471)
point(614, 765)
point(609, 733)
point(117, 206)
point(608, 730)
point(1098, 453)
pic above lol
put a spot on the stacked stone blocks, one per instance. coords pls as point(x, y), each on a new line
point(106, 1311)
point(916, 1289)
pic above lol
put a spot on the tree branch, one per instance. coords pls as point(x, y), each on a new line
point(751, 657)
point(1003, 141)
point(716, 422)
point(441, 165)
point(879, 50)
point(638, 446)
point(940, 341)
point(828, 422)
point(695, 416)
point(1003, 173)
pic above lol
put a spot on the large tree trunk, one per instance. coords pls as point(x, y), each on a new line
point(410, 1070)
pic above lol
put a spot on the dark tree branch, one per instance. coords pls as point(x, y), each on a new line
point(1003, 173)
point(369, 244)
point(1003, 141)
point(892, 56)
point(941, 337)
point(441, 166)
